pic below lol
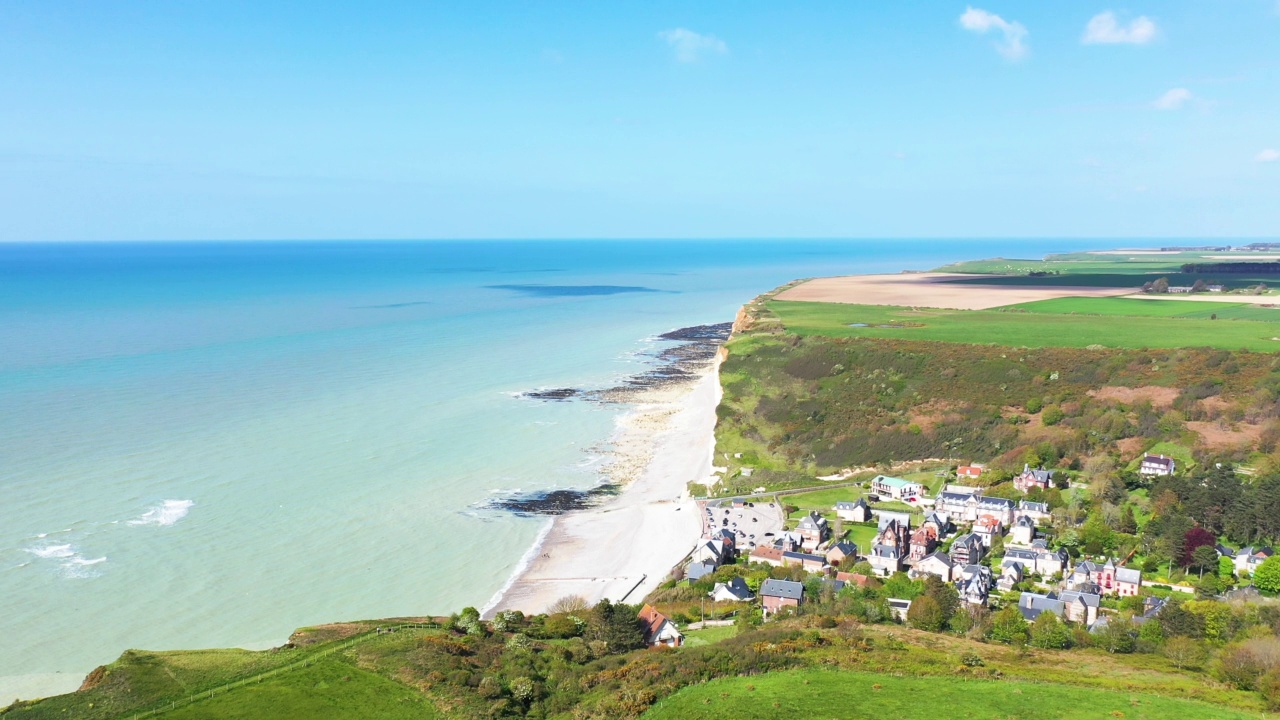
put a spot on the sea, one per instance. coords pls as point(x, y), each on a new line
point(210, 444)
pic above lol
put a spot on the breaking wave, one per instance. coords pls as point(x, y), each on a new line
point(166, 513)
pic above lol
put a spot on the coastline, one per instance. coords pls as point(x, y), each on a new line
point(626, 547)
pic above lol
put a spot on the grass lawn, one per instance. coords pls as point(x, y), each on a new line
point(823, 500)
point(861, 535)
point(1023, 329)
point(332, 689)
point(832, 694)
point(706, 636)
point(1181, 453)
point(1136, 307)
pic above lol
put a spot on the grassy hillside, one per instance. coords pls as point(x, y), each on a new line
point(1133, 307)
point(828, 694)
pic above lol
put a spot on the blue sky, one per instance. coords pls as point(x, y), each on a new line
point(237, 120)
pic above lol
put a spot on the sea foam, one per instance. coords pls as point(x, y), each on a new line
point(52, 551)
point(164, 514)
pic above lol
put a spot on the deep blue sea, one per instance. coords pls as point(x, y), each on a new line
point(211, 444)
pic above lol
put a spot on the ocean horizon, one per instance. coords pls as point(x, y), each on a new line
point(210, 444)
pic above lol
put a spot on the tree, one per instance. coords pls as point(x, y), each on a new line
point(1161, 285)
point(568, 604)
point(924, 614)
point(1128, 523)
point(997, 546)
point(1194, 538)
point(1205, 558)
point(1117, 636)
point(1050, 633)
point(1052, 415)
point(1267, 576)
point(747, 620)
point(1184, 652)
point(944, 594)
point(1008, 626)
point(1208, 587)
point(618, 626)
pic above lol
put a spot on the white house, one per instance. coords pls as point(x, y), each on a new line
point(857, 511)
point(896, 488)
point(1157, 465)
point(658, 630)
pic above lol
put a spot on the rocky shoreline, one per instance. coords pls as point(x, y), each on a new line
point(675, 369)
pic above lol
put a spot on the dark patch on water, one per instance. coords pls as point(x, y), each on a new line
point(552, 394)
point(553, 502)
point(535, 290)
point(389, 306)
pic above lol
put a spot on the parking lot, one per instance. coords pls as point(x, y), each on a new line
point(755, 524)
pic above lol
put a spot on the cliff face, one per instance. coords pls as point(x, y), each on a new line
point(742, 321)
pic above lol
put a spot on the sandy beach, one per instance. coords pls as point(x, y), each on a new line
point(936, 290)
point(625, 548)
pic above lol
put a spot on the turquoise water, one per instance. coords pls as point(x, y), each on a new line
point(210, 444)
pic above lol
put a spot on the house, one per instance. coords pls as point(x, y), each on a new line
point(812, 563)
point(853, 578)
point(896, 488)
point(923, 541)
point(735, 590)
point(789, 540)
point(1011, 573)
point(658, 630)
point(1037, 511)
point(969, 472)
point(899, 608)
point(858, 511)
point(1038, 478)
point(778, 594)
point(1215, 288)
point(940, 523)
point(1080, 607)
point(1156, 465)
point(975, 584)
point(987, 528)
point(698, 570)
point(813, 530)
point(1023, 530)
point(884, 516)
point(937, 564)
point(885, 559)
point(708, 551)
point(1225, 550)
point(1109, 579)
point(1249, 558)
point(969, 506)
point(1049, 562)
point(1032, 604)
point(967, 549)
point(837, 553)
point(767, 555)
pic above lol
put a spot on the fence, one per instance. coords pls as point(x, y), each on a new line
point(310, 659)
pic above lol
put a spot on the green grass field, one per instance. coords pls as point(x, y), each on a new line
point(831, 694)
point(1024, 329)
point(707, 636)
point(332, 688)
point(1131, 307)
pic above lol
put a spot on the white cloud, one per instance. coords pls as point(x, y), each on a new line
point(1105, 29)
point(690, 46)
point(1268, 155)
point(1173, 99)
point(1013, 47)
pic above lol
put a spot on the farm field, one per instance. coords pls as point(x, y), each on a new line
point(1130, 307)
point(832, 694)
point(1022, 329)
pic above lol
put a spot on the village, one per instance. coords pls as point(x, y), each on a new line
point(992, 550)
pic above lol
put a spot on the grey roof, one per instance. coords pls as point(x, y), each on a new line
point(1224, 550)
point(1024, 521)
point(951, 497)
point(812, 521)
point(803, 556)
point(782, 589)
point(885, 517)
point(1044, 544)
point(836, 585)
point(1020, 554)
point(1157, 460)
point(1040, 474)
point(737, 587)
point(1037, 507)
point(899, 603)
point(940, 557)
point(1128, 575)
point(846, 505)
point(847, 548)
point(697, 570)
point(885, 551)
point(1032, 604)
point(1152, 606)
point(1089, 599)
point(995, 502)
